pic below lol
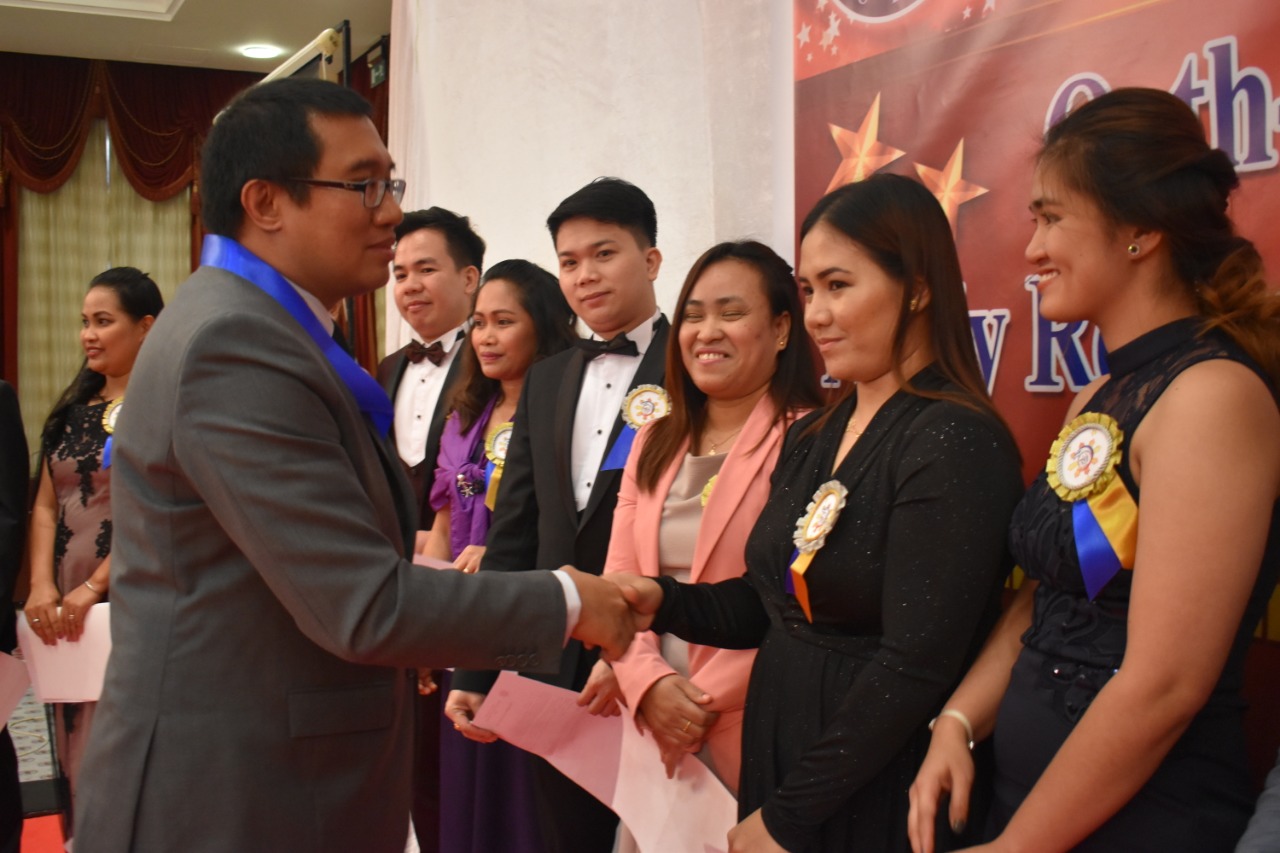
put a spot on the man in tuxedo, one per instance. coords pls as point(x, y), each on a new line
point(438, 262)
point(564, 464)
point(15, 466)
point(436, 270)
point(265, 619)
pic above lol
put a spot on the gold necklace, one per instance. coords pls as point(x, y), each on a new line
point(852, 427)
point(714, 444)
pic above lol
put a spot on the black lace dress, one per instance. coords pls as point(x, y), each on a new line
point(81, 543)
point(1200, 798)
point(902, 594)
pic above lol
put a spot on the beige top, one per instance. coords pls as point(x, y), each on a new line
point(678, 535)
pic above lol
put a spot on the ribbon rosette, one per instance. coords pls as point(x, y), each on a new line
point(644, 403)
point(811, 534)
point(109, 418)
point(1082, 470)
point(495, 450)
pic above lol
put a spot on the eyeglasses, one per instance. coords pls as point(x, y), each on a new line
point(372, 190)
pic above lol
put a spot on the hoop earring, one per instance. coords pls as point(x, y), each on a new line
point(1134, 249)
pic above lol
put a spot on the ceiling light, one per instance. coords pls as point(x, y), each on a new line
point(261, 51)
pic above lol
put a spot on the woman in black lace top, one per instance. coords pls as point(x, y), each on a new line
point(1152, 539)
point(70, 537)
point(874, 569)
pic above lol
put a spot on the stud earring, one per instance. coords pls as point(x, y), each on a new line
point(1134, 249)
point(782, 343)
point(914, 304)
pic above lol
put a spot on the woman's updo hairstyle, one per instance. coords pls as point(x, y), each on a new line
point(1141, 156)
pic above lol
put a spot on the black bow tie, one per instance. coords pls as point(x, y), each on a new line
point(621, 345)
point(417, 352)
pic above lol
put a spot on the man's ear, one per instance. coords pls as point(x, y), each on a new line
point(471, 277)
point(261, 201)
point(652, 262)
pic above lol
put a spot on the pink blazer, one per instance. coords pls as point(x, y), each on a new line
point(736, 500)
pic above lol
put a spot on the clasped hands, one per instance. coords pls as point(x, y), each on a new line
point(614, 608)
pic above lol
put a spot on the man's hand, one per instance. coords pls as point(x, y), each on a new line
point(644, 595)
point(606, 619)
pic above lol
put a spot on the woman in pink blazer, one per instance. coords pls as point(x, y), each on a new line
point(739, 371)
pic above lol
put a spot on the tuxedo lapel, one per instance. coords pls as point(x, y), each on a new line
point(650, 372)
point(562, 430)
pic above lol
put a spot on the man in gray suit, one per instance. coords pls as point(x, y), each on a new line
point(264, 618)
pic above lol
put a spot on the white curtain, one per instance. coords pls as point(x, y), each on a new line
point(67, 237)
point(499, 110)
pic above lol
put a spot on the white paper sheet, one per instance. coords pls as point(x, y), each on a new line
point(619, 765)
point(14, 682)
point(66, 671)
point(432, 562)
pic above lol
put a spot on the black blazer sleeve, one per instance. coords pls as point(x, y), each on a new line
point(14, 480)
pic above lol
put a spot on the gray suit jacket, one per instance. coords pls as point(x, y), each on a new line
point(264, 615)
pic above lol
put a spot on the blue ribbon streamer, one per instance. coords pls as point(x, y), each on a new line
point(227, 254)
point(106, 453)
point(488, 473)
point(790, 579)
point(617, 457)
point(1098, 560)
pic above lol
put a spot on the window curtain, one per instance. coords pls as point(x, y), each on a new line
point(94, 221)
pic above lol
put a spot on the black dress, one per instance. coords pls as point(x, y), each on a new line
point(902, 594)
point(1199, 798)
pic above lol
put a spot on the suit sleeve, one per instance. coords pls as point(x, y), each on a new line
point(265, 434)
point(954, 489)
point(512, 543)
point(14, 467)
point(643, 664)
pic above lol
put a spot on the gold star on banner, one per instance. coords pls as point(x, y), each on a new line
point(861, 153)
point(948, 186)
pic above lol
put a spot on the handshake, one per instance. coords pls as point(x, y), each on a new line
point(614, 608)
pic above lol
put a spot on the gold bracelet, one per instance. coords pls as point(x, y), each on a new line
point(957, 715)
point(93, 589)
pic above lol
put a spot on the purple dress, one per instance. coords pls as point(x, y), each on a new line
point(486, 790)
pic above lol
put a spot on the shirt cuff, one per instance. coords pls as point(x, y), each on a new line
point(572, 602)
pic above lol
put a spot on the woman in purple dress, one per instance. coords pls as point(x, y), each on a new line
point(70, 538)
point(520, 316)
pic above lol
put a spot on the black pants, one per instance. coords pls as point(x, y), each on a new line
point(10, 796)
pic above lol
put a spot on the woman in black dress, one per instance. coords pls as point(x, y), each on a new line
point(70, 534)
point(1152, 539)
point(875, 568)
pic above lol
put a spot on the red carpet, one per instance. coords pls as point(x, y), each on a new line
point(42, 835)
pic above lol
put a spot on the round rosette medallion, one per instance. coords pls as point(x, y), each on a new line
point(1083, 459)
point(645, 403)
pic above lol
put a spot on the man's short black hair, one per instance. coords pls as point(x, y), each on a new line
point(611, 200)
point(466, 248)
point(265, 133)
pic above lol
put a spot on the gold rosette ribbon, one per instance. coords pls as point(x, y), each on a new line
point(811, 534)
point(111, 415)
point(495, 449)
point(1082, 469)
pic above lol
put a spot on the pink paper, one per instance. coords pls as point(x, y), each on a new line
point(619, 765)
point(66, 671)
point(432, 562)
point(14, 682)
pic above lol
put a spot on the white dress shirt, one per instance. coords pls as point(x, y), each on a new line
point(418, 395)
point(604, 386)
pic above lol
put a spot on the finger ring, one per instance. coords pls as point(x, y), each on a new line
point(71, 616)
point(687, 723)
point(35, 621)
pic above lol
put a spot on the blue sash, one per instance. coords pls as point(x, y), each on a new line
point(226, 254)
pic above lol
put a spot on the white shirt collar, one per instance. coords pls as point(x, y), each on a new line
point(642, 335)
point(316, 306)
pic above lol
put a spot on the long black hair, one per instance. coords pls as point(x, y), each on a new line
point(139, 297)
